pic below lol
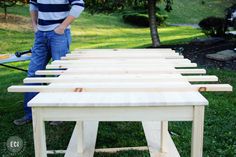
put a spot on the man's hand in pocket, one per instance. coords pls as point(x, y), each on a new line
point(59, 30)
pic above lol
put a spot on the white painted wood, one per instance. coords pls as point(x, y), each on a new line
point(202, 78)
point(123, 54)
point(213, 87)
point(103, 51)
point(115, 150)
point(152, 132)
point(56, 152)
point(116, 113)
point(173, 152)
point(79, 57)
point(123, 87)
point(120, 71)
point(139, 85)
point(153, 135)
point(121, 78)
point(90, 135)
point(177, 65)
point(105, 150)
point(39, 134)
point(119, 99)
point(123, 49)
point(164, 137)
point(197, 131)
point(120, 61)
point(80, 131)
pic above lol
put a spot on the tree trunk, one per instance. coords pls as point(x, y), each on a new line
point(5, 11)
point(153, 23)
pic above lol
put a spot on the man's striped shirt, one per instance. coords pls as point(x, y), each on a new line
point(51, 13)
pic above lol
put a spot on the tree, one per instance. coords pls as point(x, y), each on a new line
point(10, 3)
point(153, 23)
point(150, 5)
point(6, 4)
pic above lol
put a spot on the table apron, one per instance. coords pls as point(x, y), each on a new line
point(179, 113)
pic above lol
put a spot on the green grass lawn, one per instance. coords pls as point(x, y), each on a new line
point(105, 31)
point(99, 31)
point(191, 12)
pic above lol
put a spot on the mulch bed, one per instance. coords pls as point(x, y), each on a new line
point(196, 52)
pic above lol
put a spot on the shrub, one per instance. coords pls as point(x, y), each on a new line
point(231, 16)
point(142, 20)
point(213, 26)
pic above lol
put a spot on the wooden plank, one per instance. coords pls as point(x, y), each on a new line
point(122, 87)
point(153, 135)
point(121, 61)
point(145, 58)
point(89, 51)
point(125, 54)
point(202, 78)
point(189, 65)
point(105, 150)
point(115, 150)
point(114, 112)
point(123, 49)
point(119, 99)
point(120, 78)
point(90, 136)
point(121, 71)
point(125, 61)
point(213, 87)
point(122, 56)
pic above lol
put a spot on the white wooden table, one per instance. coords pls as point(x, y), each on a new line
point(120, 85)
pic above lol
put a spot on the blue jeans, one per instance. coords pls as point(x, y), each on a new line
point(47, 45)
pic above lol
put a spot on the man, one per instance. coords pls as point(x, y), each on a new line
point(51, 21)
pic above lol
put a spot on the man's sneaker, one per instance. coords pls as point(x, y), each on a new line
point(55, 123)
point(22, 121)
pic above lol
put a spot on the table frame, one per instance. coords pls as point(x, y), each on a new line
point(93, 114)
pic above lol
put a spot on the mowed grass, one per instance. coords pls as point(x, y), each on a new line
point(191, 12)
point(104, 31)
point(98, 31)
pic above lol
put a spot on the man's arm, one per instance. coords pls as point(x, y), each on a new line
point(34, 18)
point(77, 7)
point(34, 14)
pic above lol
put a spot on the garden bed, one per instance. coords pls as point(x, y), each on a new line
point(197, 53)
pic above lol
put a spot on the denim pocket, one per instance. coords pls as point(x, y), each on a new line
point(58, 34)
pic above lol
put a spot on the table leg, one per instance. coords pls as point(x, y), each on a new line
point(39, 134)
point(164, 134)
point(197, 131)
point(80, 130)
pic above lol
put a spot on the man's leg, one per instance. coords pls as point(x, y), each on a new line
point(39, 59)
point(59, 46)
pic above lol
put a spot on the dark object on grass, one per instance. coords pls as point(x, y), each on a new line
point(213, 26)
point(19, 54)
point(22, 121)
point(207, 41)
point(142, 20)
